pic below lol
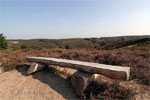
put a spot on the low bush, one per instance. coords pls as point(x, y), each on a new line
point(67, 47)
point(24, 46)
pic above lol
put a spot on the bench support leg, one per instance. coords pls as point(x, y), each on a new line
point(80, 80)
point(35, 67)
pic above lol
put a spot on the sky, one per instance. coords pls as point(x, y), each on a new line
point(56, 19)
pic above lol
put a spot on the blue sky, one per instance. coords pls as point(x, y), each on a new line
point(26, 19)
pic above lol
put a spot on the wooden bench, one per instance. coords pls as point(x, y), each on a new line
point(86, 70)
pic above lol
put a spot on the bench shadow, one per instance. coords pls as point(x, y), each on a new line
point(23, 69)
point(47, 76)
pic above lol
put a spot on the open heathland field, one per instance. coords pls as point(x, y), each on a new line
point(134, 54)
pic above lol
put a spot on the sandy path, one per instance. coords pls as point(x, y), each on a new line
point(15, 85)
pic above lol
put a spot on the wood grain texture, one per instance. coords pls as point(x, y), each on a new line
point(116, 72)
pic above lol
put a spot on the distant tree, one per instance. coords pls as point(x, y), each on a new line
point(67, 47)
point(3, 42)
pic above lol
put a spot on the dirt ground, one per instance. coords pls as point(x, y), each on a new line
point(16, 85)
point(47, 85)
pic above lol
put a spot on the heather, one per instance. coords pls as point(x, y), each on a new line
point(135, 58)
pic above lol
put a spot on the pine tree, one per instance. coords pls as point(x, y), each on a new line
point(3, 42)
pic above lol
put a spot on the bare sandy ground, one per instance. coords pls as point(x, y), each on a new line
point(46, 85)
point(16, 85)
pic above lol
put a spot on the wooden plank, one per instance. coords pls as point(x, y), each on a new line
point(116, 72)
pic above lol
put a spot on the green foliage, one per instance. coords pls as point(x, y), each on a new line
point(53, 41)
point(67, 47)
point(24, 46)
point(15, 48)
point(60, 46)
point(36, 47)
point(3, 42)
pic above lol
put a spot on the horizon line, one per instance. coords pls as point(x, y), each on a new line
point(81, 37)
